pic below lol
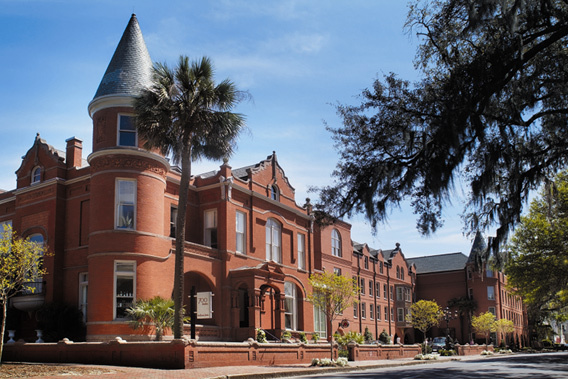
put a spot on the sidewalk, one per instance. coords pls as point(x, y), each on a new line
point(253, 372)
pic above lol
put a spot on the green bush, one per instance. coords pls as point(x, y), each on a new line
point(303, 338)
point(384, 337)
point(351, 336)
point(368, 336)
point(447, 353)
point(546, 342)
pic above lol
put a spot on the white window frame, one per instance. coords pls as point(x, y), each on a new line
point(128, 131)
point(378, 290)
point(492, 310)
point(400, 314)
point(371, 286)
point(301, 251)
point(173, 220)
point(83, 293)
point(371, 311)
point(363, 311)
point(119, 202)
point(320, 323)
point(126, 297)
point(241, 232)
point(362, 285)
point(490, 292)
point(290, 306)
point(378, 310)
point(337, 271)
point(275, 192)
point(336, 243)
point(355, 310)
point(273, 241)
point(36, 175)
point(210, 224)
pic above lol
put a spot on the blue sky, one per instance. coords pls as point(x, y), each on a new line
point(296, 58)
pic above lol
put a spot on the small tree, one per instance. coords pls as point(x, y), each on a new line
point(156, 312)
point(332, 294)
point(504, 327)
point(484, 324)
point(424, 314)
point(20, 266)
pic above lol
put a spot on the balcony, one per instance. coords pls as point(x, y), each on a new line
point(31, 298)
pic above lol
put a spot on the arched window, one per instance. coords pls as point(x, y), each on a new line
point(273, 238)
point(274, 192)
point(290, 306)
point(36, 175)
point(397, 272)
point(335, 243)
point(402, 273)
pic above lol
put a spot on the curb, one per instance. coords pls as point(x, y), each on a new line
point(319, 370)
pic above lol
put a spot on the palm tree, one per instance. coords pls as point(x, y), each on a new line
point(186, 115)
point(157, 312)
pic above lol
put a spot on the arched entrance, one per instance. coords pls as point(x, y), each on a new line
point(201, 284)
point(269, 308)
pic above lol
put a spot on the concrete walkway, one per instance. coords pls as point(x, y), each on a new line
point(254, 372)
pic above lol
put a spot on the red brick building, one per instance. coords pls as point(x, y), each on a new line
point(108, 222)
point(454, 276)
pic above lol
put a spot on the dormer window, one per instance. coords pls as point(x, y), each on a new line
point(127, 135)
point(274, 193)
point(36, 175)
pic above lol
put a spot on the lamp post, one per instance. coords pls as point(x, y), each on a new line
point(449, 315)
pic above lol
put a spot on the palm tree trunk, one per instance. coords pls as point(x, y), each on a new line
point(180, 241)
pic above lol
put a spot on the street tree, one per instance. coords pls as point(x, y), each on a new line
point(503, 327)
point(424, 314)
point(488, 112)
point(538, 251)
point(484, 324)
point(20, 268)
point(187, 116)
point(332, 294)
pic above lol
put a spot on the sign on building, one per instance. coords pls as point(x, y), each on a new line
point(204, 305)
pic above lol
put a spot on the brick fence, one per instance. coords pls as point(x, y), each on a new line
point(180, 354)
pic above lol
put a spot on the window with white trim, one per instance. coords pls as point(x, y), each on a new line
point(335, 243)
point(36, 175)
point(37, 285)
point(490, 292)
point(274, 192)
point(378, 290)
point(400, 313)
point(355, 310)
point(386, 313)
point(320, 324)
point(125, 200)
point(273, 241)
point(371, 312)
point(363, 310)
point(337, 271)
point(241, 232)
point(210, 228)
point(127, 135)
point(173, 221)
point(366, 262)
point(370, 287)
point(399, 293)
point(362, 286)
point(301, 251)
point(392, 314)
point(378, 312)
point(83, 287)
point(492, 310)
point(124, 287)
point(290, 306)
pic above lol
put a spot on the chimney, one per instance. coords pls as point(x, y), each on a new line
point(73, 154)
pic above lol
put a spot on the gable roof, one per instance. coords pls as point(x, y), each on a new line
point(130, 68)
point(439, 263)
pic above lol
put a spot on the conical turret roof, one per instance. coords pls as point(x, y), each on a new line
point(130, 68)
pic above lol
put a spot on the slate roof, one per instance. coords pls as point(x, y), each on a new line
point(439, 263)
point(130, 68)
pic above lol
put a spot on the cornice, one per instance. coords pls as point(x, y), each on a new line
point(109, 101)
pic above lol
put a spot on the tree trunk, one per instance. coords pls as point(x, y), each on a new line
point(3, 328)
point(180, 242)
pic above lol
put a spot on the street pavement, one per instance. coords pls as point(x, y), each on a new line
point(355, 369)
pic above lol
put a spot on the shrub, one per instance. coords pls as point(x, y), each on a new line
point(286, 335)
point(351, 336)
point(260, 336)
point(368, 336)
point(303, 338)
point(447, 353)
point(315, 337)
point(384, 337)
